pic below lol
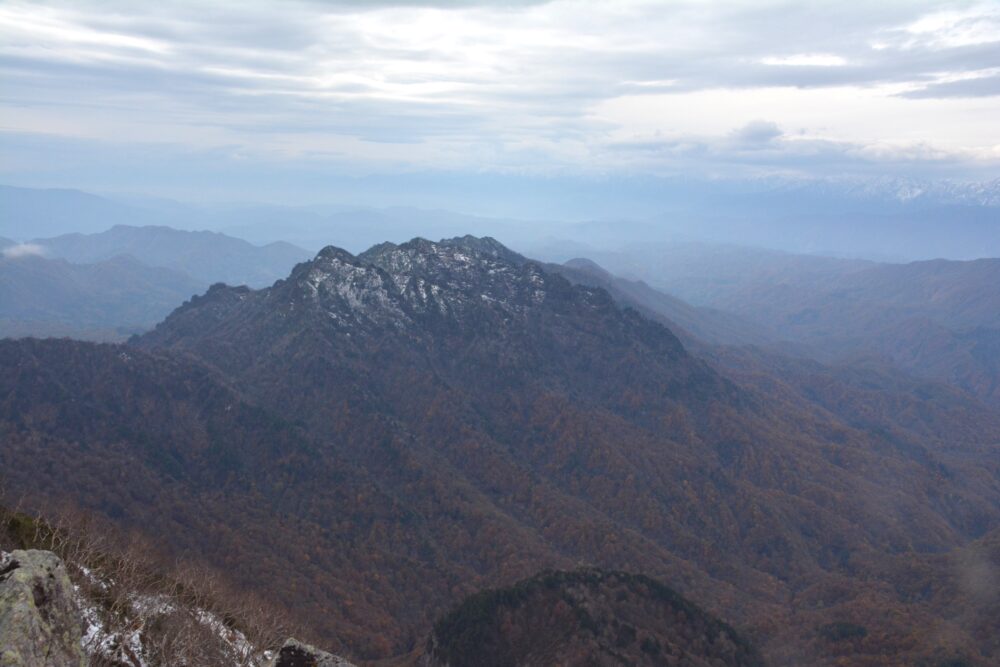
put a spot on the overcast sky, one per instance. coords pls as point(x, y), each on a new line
point(106, 94)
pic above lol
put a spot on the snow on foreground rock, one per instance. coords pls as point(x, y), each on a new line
point(48, 621)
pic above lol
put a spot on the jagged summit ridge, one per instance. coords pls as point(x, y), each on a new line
point(463, 289)
point(392, 284)
point(343, 286)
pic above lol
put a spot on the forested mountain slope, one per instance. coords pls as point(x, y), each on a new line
point(582, 618)
point(425, 419)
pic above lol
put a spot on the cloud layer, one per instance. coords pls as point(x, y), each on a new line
point(20, 250)
point(544, 87)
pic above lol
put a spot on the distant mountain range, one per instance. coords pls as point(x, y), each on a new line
point(883, 219)
point(692, 323)
point(908, 190)
point(29, 213)
point(938, 319)
point(378, 435)
point(209, 257)
point(891, 220)
point(110, 285)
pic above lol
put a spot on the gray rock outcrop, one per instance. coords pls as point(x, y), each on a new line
point(296, 654)
point(39, 620)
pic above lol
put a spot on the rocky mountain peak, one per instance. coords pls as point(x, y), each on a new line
point(486, 245)
point(343, 286)
point(332, 253)
point(463, 284)
point(399, 282)
point(455, 255)
point(461, 301)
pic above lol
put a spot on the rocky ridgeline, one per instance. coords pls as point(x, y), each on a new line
point(406, 287)
point(46, 622)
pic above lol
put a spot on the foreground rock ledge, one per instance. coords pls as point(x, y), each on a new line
point(296, 654)
point(39, 619)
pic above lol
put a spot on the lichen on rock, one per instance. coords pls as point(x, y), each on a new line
point(39, 620)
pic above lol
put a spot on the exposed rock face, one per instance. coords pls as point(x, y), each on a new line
point(296, 654)
point(39, 619)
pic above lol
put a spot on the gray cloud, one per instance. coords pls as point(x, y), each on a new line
point(986, 86)
point(757, 133)
point(493, 85)
point(22, 250)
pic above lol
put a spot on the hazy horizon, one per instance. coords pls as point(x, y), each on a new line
point(202, 102)
point(849, 220)
point(836, 128)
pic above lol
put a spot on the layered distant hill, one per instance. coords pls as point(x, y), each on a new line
point(208, 257)
point(110, 299)
point(703, 274)
point(27, 212)
point(378, 435)
point(938, 319)
point(110, 285)
point(877, 218)
point(695, 324)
